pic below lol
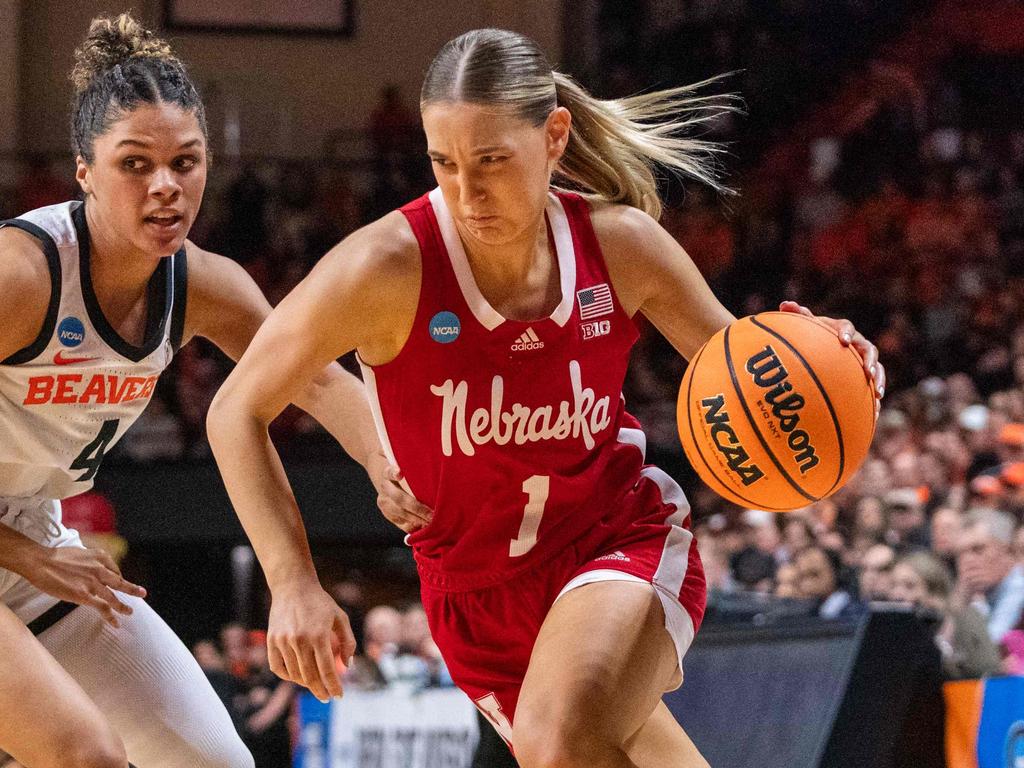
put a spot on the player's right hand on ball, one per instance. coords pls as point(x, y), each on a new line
point(86, 576)
point(307, 629)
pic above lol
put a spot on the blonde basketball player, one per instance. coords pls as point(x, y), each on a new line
point(97, 297)
point(494, 318)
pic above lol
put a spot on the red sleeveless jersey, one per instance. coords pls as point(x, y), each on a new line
point(514, 432)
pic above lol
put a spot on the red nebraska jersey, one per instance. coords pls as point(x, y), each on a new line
point(514, 432)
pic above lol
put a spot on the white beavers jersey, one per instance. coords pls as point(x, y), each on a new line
point(70, 395)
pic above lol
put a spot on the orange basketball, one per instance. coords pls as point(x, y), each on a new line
point(775, 413)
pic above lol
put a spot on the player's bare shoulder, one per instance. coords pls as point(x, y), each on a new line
point(383, 255)
point(632, 243)
point(25, 286)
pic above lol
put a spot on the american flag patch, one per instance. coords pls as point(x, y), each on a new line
point(595, 301)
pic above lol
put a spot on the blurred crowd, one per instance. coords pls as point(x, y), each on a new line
point(909, 220)
point(395, 651)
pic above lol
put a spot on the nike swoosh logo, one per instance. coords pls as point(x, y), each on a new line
point(59, 359)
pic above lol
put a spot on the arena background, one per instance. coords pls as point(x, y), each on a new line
point(880, 166)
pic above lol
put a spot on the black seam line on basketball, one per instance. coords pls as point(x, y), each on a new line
point(693, 436)
point(38, 346)
point(824, 395)
point(757, 432)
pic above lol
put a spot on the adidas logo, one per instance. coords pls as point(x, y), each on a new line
point(529, 340)
point(616, 555)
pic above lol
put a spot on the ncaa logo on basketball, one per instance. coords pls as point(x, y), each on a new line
point(445, 327)
point(70, 332)
point(726, 441)
point(596, 328)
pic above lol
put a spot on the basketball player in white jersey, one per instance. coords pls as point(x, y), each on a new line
point(97, 298)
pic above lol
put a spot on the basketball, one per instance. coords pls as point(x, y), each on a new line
point(775, 413)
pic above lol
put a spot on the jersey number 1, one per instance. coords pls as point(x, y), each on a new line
point(92, 455)
point(536, 489)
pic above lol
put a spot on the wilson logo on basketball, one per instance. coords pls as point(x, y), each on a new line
point(769, 373)
point(724, 437)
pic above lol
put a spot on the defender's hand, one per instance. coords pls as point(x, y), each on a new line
point(86, 576)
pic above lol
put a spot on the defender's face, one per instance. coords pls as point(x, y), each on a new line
point(146, 181)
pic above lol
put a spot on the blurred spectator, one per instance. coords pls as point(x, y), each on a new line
point(349, 595)
point(946, 526)
point(398, 651)
point(717, 573)
point(818, 578)
point(383, 631)
point(754, 570)
point(234, 643)
point(922, 580)
point(990, 578)
point(797, 535)
point(905, 511)
point(267, 704)
point(1018, 544)
point(876, 577)
point(228, 687)
point(393, 126)
point(414, 628)
point(787, 581)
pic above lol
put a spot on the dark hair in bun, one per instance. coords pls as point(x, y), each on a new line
point(120, 65)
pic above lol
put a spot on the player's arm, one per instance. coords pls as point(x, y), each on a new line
point(653, 275)
point(24, 290)
point(84, 576)
point(358, 296)
point(227, 307)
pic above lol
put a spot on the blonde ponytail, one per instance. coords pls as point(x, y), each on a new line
point(614, 146)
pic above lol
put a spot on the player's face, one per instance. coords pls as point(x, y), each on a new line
point(147, 177)
point(493, 167)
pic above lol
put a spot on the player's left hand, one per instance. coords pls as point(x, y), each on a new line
point(397, 505)
point(850, 336)
point(306, 633)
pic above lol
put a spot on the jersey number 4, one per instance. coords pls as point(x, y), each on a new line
point(92, 455)
point(536, 489)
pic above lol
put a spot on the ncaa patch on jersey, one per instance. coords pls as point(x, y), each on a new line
point(596, 328)
point(70, 332)
point(445, 327)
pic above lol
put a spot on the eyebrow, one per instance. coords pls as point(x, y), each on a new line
point(477, 151)
point(144, 145)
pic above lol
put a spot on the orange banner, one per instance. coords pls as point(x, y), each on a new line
point(963, 715)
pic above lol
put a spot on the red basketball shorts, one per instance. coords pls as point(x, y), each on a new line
point(486, 636)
